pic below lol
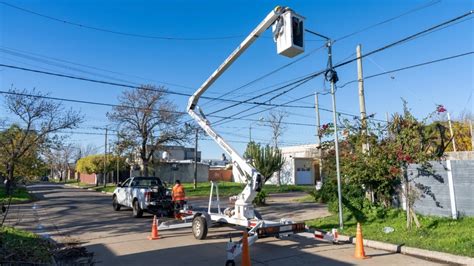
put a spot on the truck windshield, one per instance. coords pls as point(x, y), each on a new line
point(146, 182)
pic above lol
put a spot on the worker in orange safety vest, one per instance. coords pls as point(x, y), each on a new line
point(178, 196)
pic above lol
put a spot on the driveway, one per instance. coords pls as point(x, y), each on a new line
point(77, 215)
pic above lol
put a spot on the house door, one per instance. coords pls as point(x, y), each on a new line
point(303, 176)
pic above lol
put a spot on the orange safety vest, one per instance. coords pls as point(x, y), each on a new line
point(178, 192)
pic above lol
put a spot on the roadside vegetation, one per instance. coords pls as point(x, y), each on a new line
point(436, 233)
point(372, 181)
point(22, 247)
point(19, 195)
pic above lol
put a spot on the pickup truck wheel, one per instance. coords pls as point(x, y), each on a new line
point(199, 227)
point(115, 204)
point(137, 211)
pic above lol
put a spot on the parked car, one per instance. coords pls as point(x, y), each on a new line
point(143, 194)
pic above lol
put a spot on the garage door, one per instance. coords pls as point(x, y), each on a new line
point(303, 176)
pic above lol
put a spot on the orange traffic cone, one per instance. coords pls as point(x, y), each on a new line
point(245, 250)
point(154, 230)
point(359, 250)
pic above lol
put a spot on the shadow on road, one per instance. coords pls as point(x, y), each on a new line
point(269, 251)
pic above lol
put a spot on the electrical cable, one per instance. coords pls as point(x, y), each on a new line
point(406, 39)
point(409, 67)
point(123, 106)
point(134, 87)
point(306, 78)
point(93, 67)
point(431, 3)
point(83, 26)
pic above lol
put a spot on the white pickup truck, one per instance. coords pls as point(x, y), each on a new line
point(143, 194)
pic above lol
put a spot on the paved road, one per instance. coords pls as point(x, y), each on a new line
point(69, 215)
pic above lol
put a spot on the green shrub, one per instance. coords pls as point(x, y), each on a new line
point(260, 198)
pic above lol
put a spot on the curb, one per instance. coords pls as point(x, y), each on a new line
point(436, 255)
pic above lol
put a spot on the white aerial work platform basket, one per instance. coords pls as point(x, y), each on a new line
point(288, 33)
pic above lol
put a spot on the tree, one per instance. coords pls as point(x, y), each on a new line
point(83, 151)
point(275, 120)
point(31, 165)
point(412, 143)
point(93, 164)
point(39, 119)
point(60, 156)
point(267, 160)
point(393, 147)
point(147, 121)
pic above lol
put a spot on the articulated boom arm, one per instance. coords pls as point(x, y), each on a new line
point(255, 183)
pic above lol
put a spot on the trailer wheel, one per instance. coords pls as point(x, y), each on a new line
point(199, 227)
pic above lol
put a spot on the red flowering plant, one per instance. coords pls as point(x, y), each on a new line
point(393, 147)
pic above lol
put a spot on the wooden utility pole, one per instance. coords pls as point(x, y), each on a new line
point(105, 158)
point(451, 131)
point(118, 158)
point(363, 113)
point(195, 157)
point(318, 135)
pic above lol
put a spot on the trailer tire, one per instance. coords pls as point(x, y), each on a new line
point(199, 227)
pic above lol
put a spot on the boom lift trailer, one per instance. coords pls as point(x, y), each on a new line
point(288, 33)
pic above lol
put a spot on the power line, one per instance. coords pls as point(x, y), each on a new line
point(124, 106)
point(431, 3)
point(267, 74)
point(406, 39)
point(136, 35)
point(17, 51)
point(409, 38)
point(137, 87)
point(367, 77)
point(410, 67)
point(304, 79)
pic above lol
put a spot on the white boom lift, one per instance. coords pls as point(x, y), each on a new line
point(288, 33)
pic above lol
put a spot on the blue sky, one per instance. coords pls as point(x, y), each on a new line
point(189, 63)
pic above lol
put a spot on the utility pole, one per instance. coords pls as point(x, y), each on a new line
point(250, 132)
point(118, 158)
point(195, 157)
point(451, 131)
point(331, 76)
point(105, 158)
point(363, 113)
point(318, 135)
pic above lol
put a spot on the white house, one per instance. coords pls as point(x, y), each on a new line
point(301, 166)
